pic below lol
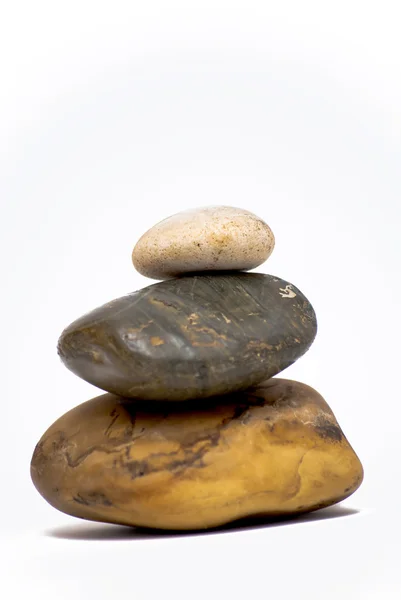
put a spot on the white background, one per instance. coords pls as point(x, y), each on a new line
point(114, 115)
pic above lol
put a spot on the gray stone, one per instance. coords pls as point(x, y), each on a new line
point(191, 337)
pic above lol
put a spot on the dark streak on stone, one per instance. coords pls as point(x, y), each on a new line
point(138, 468)
point(192, 458)
point(327, 429)
point(79, 500)
point(92, 499)
point(73, 463)
point(115, 417)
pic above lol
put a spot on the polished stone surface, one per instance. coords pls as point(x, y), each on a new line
point(273, 450)
point(191, 337)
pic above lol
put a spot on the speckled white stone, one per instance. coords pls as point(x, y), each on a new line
point(212, 238)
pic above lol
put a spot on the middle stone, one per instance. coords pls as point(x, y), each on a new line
point(191, 337)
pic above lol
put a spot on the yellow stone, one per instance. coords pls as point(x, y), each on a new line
point(274, 450)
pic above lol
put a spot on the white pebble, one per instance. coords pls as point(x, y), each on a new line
point(213, 238)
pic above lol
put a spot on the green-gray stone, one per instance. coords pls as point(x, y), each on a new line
point(191, 337)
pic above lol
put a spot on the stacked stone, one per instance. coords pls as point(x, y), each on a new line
point(194, 431)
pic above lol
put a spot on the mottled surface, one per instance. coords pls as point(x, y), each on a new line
point(191, 337)
point(204, 239)
point(273, 450)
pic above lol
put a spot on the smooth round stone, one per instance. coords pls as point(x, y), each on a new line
point(274, 450)
point(191, 337)
point(214, 238)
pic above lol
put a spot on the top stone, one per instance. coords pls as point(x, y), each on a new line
point(213, 238)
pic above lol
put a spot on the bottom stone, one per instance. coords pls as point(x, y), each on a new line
point(276, 449)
